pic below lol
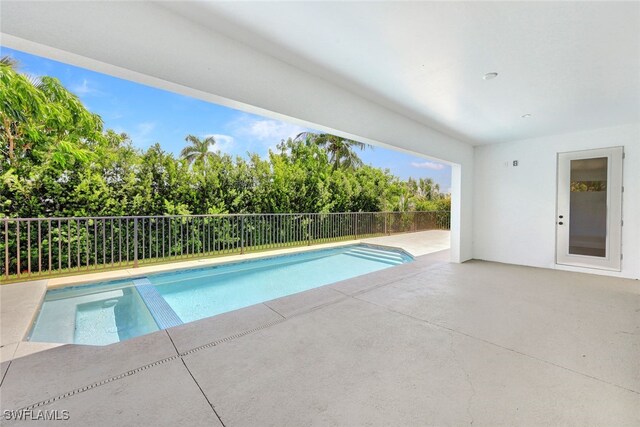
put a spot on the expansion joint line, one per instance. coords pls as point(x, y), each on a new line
point(148, 366)
point(196, 382)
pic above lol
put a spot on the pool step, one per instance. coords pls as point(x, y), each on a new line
point(162, 312)
point(376, 258)
point(394, 256)
point(382, 251)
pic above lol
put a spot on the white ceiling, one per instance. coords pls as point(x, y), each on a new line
point(572, 66)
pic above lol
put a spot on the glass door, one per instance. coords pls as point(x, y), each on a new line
point(589, 215)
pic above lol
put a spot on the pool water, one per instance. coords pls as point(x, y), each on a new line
point(108, 312)
point(97, 314)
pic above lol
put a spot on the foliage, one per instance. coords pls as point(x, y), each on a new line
point(57, 160)
point(341, 151)
point(199, 149)
point(591, 186)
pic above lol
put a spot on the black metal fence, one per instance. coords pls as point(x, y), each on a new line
point(42, 247)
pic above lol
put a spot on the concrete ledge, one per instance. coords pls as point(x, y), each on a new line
point(19, 305)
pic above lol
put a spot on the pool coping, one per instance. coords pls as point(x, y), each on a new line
point(134, 273)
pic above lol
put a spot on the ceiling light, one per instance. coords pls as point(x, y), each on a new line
point(490, 76)
point(526, 116)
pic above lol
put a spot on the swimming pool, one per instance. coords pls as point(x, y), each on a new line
point(108, 312)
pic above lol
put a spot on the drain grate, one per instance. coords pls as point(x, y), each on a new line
point(232, 337)
point(99, 383)
point(148, 366)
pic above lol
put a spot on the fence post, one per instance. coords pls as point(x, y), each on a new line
point(6, 248)
point(355, 226)
point(18, 267)
point(135, 242)
point(385, 222)
point(309, 231)
point(242, 234)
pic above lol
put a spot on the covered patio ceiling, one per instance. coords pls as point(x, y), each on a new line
point(570, 65)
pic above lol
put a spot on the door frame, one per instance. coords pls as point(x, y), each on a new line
point(615, 190)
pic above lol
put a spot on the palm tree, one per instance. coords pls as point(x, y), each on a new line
point(341, 150)
point(199, 149)
point(8, 61)
point(428, 188)
point(13, 64)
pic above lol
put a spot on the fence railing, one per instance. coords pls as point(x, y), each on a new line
point(40, 247)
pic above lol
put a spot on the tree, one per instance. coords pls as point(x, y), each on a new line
point(46, 136)
point(299, 179)
point(341, 151)
point(427, 188)
point(199, 150)
point(57, 160)
point(8, 61)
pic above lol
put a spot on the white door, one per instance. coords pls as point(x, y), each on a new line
point(589, 215)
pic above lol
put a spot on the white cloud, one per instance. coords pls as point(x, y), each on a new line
point(141, 135)
point(269, 130)
point(272, 129)
point(84, 89)
point(259, 135)
point(115, 115)
point(224, 143)
point(145, 128)
point(428, 165)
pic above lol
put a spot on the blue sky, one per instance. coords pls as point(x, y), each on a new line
point(151, 115)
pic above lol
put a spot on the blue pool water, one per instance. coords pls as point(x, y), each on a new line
point(108, 312)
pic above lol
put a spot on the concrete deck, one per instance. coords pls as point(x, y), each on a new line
point(416, 244)
point(426, 343)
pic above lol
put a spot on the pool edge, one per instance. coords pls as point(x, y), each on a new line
point(60, 282)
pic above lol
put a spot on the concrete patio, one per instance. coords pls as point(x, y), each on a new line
point(426, 343)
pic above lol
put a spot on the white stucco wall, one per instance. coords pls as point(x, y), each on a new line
point(515, 207)
point(149, 44)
